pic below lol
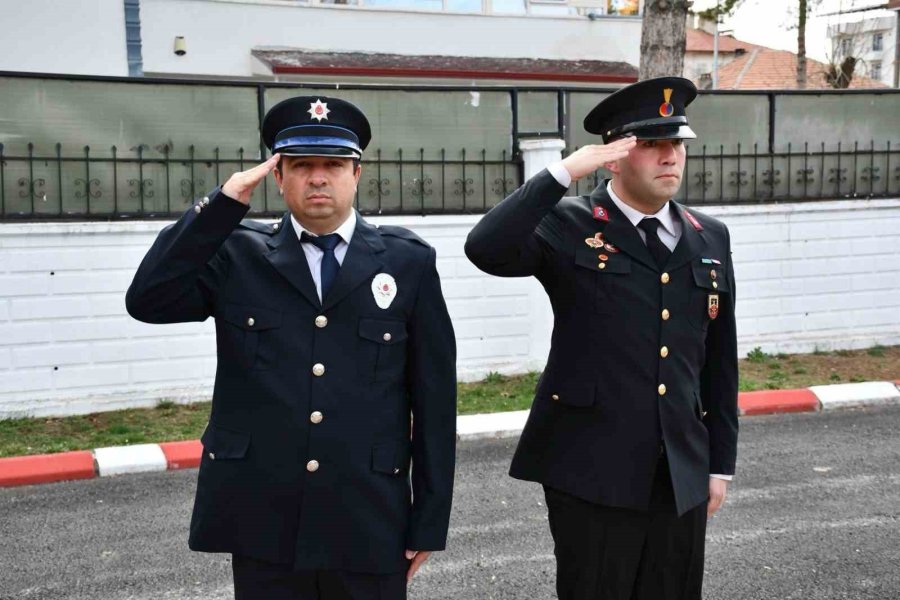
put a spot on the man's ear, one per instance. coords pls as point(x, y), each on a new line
point(612, 167)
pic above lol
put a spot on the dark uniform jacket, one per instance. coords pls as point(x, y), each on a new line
point(623, 329)
point(283, 356)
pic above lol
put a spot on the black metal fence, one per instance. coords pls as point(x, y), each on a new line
point(712, 176)
point(154, 184)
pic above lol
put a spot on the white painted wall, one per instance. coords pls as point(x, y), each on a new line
point(813, 275)
point(78, 38)
point(220, 34)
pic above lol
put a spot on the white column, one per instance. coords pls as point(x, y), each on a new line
point(538, 154)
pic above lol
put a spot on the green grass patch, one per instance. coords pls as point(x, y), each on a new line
point(876, 351)
point(757, 355)
point(496, 393)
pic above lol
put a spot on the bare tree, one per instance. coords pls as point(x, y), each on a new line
point(801, 45)
point(848, 41)
point(663, 38)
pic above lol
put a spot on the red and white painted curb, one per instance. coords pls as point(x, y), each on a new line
point(167, 456)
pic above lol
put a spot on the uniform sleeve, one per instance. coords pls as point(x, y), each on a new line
point(505, 241)
point(719, 381)
point(178, 279)
point(431, 382)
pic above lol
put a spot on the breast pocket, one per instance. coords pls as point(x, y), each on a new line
point(248, 334)
point(599, 274)
point(711, 291)
point(381, 354)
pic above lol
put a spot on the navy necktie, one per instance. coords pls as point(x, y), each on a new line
point(659, 250)
point(330, 264)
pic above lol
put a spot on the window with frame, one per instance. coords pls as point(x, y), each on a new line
point(877, 41)
point(875, 69)
point(846, 46)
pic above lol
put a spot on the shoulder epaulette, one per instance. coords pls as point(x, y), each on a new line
point(267, 228)
point(401, 232)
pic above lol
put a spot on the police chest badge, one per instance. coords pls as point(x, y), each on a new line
point(713, 306)
point(384, 288)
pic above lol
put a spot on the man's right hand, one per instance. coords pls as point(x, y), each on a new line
point(241, 185)
point(588, 159)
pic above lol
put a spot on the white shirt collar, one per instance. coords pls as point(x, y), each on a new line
point(345, 230)
point(664, 214)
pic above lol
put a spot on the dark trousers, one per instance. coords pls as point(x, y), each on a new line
point(605, 553)
point(260, 580)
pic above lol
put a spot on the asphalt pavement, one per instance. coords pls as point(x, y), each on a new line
point(814, 514)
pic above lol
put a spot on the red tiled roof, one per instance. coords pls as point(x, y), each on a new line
point(467, 67)
point(769, 69)
point(697, 40)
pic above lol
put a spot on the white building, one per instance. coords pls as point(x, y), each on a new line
point(872, 41)
point(352, 41)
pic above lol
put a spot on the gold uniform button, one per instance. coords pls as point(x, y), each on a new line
point(665, 314)
point(664, 351)
point(205, 200)
point(316, 417)
point(661, 389)
point(554, 397)
point(318, 369)
point(321, 321)
point(212, 456)
point(713, 274)
point(715, 285)
point(664, 278)
point(312, 466)
point(386, 337)
point(198, 208)
point(251, 322)
point(601, 266)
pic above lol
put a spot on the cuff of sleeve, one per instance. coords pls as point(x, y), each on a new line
point(560, 174)
point(724, 477)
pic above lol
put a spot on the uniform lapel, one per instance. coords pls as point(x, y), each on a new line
point(619, 231)
point(287, 256)
point(360, 262)
point(691, 243)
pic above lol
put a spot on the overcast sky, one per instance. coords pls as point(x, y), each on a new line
point(769, 22)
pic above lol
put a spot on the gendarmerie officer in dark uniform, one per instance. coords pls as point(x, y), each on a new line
point(633, 429)
point(336, 369)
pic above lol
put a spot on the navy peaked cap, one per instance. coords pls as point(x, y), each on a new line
point(316, 126)
point(653, 109)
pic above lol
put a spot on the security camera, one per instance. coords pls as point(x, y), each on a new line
point(180, 46)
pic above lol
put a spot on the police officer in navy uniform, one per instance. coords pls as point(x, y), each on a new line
point(336, 370)
point(633, 429)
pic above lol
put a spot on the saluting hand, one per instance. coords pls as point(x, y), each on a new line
point(241, 185)
point(417, 558)
point(588, 159)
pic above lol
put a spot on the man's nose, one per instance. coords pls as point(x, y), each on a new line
point(667, 154)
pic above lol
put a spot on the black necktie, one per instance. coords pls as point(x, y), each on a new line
point(330, 264)
point(660, 253)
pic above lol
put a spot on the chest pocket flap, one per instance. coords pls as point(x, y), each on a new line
point(707, 275)
point(383, 331)
point(251, 318)
point(589, 258)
